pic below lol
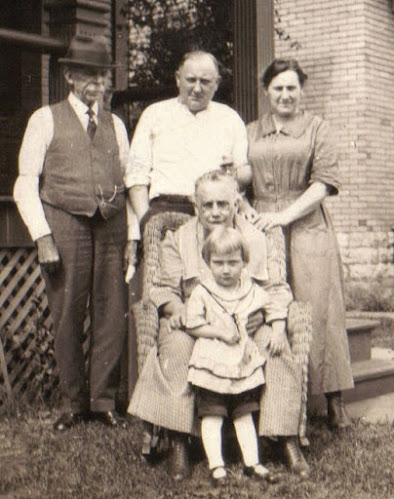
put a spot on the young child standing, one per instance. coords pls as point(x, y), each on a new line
point(226, 367)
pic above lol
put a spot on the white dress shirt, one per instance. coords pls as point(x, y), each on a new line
point(172, 147)
point(36, 141)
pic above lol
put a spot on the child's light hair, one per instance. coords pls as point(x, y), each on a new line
point(223, 241)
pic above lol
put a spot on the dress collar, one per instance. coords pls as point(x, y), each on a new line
point(294, 128)
point(243, 289)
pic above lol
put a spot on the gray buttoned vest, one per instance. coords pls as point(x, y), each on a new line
point(82, 175)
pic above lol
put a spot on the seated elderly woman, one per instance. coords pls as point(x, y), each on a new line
point(162, 395)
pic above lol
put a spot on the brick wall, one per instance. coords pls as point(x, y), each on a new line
point(347, 49)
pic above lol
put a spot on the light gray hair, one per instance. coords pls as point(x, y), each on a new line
point(217, 176)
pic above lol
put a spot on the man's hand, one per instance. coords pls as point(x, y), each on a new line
point(278, 339)
point(48, 254)
point(130, 259)
point(176, 314)
point(255, 321)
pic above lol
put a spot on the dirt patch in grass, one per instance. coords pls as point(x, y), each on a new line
point(92, 461)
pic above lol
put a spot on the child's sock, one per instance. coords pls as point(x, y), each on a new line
point(247, 439)
point(211, 433)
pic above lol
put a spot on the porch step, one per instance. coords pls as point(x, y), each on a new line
point(359, 335)
point(372, 378)
point(373, 368)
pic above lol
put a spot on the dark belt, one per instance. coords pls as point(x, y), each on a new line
point(170, 199)
point(160, 204)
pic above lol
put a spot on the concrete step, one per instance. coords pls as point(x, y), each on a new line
point(374, 410)
point(373, 378)
point(359, 334)
point(373, 368)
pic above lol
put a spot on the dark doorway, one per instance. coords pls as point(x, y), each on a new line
point(20, 84)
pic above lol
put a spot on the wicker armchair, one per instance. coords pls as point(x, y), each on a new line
point(146, 318)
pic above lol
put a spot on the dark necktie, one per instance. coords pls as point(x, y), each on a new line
point(92, 124)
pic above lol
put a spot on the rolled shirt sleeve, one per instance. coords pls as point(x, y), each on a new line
point(133, 228)
point(140, 153)
point(36, 140)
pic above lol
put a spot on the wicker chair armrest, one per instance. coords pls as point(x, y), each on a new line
point(276, 256)
point(145, 313)
point(146, 322)
point(154, 233)
point(299, 330)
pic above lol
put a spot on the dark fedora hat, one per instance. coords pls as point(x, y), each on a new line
point(89, 51)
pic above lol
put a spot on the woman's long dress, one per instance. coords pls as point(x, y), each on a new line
point(284, 165)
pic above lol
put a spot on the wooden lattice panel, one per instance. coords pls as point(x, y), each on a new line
point(26, 328)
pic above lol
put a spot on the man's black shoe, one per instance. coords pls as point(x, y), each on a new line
point(179, 466)
point(69, 419)
point(294, 457)
point(109, 418)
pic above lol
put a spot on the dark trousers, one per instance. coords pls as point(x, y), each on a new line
point(91, 251)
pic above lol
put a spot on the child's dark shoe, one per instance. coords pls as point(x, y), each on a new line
point(260, 472)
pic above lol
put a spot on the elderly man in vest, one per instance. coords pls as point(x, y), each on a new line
point(71, 195)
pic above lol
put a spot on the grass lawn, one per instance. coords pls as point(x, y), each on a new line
point(92, 461)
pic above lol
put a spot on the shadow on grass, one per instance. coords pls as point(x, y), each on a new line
point(93, 461)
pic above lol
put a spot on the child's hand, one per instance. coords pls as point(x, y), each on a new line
point(229, 335)
point(231, 340)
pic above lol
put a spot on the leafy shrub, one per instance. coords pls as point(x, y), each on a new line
point(370, 297)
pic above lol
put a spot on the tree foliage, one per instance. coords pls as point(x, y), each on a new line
point(161, 31)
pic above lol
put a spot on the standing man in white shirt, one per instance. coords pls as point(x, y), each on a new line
point(72, 197)
point(179, 139)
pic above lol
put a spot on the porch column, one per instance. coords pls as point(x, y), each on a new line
point(253, 50)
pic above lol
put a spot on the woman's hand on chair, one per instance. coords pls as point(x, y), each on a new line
point(269, 220)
